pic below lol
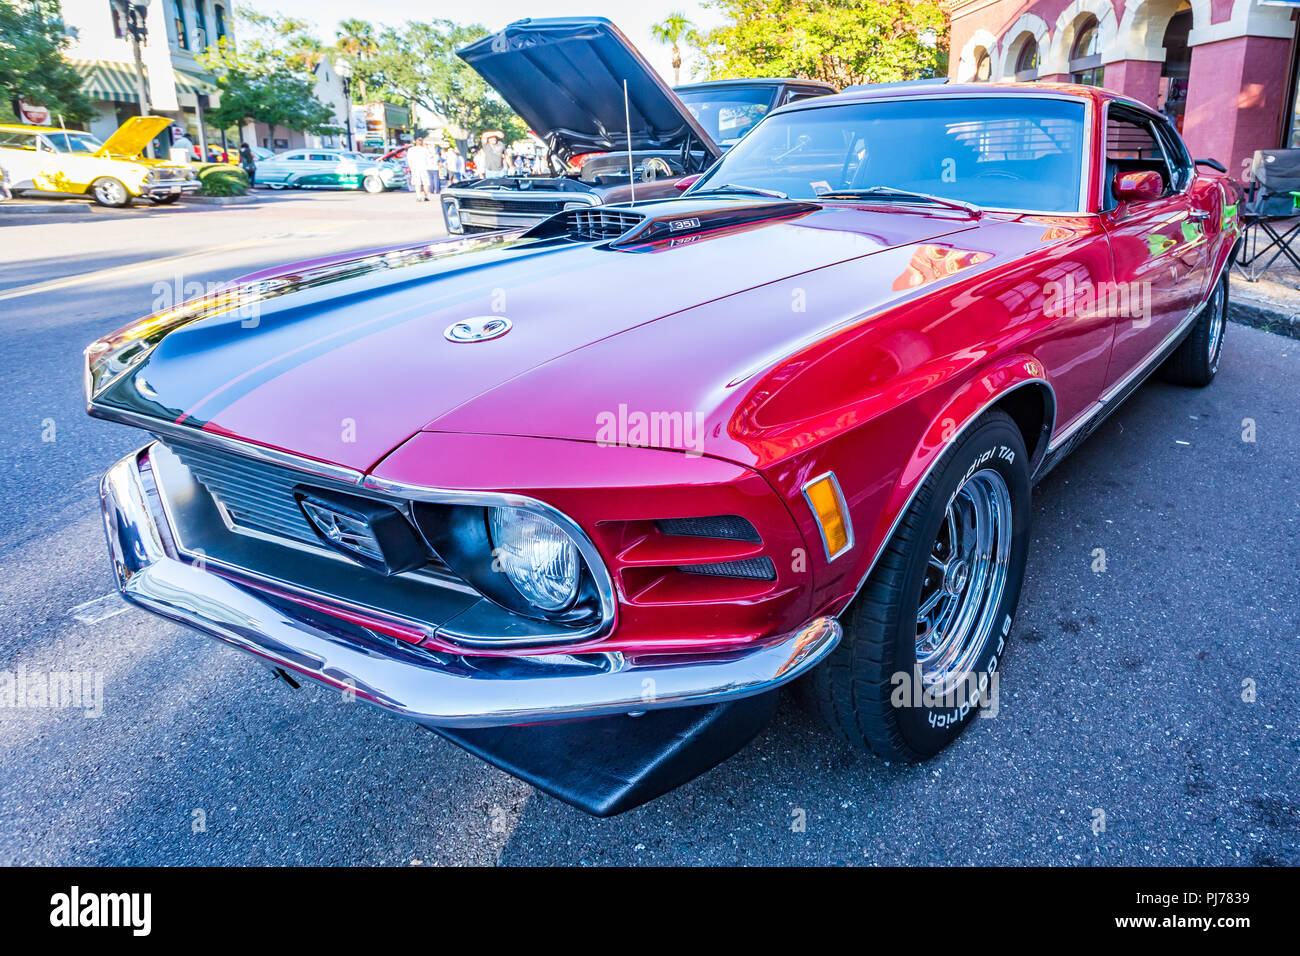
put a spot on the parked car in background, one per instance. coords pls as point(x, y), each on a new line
point(305, 168)
point(781, 428)
point(71, 162)
point(565, 78)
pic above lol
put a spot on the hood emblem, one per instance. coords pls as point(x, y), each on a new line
point(481, 328)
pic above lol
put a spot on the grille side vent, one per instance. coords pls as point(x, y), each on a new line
point(731, 527)
point(599, 222)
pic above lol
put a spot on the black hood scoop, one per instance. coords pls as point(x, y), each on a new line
point(670, 221)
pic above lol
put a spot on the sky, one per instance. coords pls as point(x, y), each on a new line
point(633, 18)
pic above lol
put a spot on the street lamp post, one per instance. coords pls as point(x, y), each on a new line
point(132, 16)
point(344, 70)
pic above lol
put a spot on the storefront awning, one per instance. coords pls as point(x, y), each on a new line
point(115, 81)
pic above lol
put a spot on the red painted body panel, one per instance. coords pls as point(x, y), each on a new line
point(856, 338)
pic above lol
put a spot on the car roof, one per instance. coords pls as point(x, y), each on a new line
point(754, 81)
point(25, 128)
point(923, 90)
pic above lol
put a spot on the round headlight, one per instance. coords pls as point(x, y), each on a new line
point(538, 557)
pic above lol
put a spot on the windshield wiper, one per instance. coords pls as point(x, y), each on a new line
point(889, 192)
point(741, 190)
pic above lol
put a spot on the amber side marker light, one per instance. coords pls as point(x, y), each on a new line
point(827, 503)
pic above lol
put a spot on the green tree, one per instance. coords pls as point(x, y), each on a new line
point(418, 64)
point(839, 41)
point(32, 67)
point(269, 78)
point(673, 31)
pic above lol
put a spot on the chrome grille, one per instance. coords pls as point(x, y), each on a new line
point(601, 223)
point(512, 204)
point(257, 495)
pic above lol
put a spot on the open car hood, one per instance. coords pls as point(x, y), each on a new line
point(565, 76)
point(133, 136)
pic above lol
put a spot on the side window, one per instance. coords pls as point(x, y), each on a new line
point(294, 157)
point(9, 140)
point(1180, 160)
point(321, 158)
point(795, 95)
point(1132, 146)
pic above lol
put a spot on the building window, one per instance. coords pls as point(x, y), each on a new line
point(200, 26)
point(1085, 54)
point(182, 31)
point(220, 15)
point(983, 66)
point(1176, 70)
point(118, 28)
point(1027, 60)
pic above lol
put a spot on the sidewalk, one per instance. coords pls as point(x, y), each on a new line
point(1272, 303)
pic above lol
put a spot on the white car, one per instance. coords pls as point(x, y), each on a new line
point(328, 169)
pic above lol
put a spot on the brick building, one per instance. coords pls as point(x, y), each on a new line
point(1224, 70)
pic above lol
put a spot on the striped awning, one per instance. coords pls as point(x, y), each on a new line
point(114, 80)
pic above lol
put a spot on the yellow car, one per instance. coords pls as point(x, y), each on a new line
point(45, 159)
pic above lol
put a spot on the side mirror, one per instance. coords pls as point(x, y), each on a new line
point(1138, 186)
point(686, 182)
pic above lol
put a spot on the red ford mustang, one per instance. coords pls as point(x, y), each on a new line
point(582, 497)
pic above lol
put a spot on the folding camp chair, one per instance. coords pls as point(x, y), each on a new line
point(1272, 198)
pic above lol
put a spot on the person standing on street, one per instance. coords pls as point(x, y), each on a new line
point(435, 171)
point(247, 162)
point(494, 166)
point(417, 161)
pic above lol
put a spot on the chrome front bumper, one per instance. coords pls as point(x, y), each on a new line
point(168, 187)
point(435, 689)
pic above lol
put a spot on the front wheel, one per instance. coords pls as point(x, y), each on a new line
point(1196, 361)
point(924, 637)
point(110, 192)
point(372, 184)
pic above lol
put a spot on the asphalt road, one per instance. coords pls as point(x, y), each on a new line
point(1122, 692)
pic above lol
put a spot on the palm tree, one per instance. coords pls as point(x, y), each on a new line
point(357, 43)
point(672, 31)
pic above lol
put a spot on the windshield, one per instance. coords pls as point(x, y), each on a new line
point(998, 152)
point(728, 114)
point(73, 142)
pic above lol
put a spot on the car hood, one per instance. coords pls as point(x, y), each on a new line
point(565, 76)
point(133, 136)
point(343, 359)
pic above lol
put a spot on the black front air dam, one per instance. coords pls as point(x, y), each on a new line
point(608, 765)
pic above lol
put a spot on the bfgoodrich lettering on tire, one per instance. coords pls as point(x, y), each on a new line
point(926, 634)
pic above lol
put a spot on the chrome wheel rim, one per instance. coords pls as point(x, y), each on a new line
point(1217, 322)
point(110, 193)
point(965, 577)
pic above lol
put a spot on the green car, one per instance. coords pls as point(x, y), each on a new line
point(328, 169)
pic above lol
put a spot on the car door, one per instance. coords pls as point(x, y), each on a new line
point(1158, 246)
point(289, 167)
point(18, 156)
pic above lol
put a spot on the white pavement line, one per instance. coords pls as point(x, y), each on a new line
point(100, 609)
point(56, 284)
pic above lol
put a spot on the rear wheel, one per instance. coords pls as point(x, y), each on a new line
point(111, 192)
point(1196, 361)
point(927, 632)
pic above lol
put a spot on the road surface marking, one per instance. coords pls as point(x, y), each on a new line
point(100, 609)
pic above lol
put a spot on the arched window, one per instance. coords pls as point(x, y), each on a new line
point(1027, 60)
point(983, 66)
point(1085, 53)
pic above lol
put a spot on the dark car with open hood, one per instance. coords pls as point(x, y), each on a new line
point(565, 77)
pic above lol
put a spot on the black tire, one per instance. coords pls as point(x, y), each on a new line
point(853, 691)
point(1196, 361)
point(164, 200)
point(111, 192)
